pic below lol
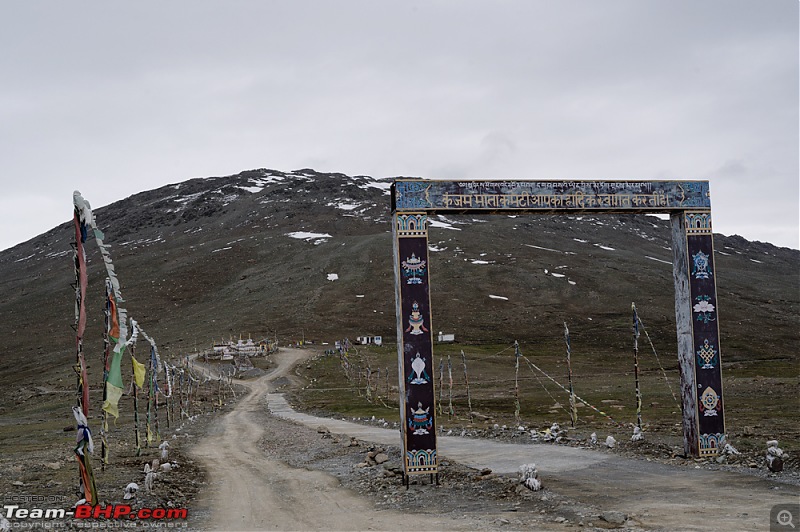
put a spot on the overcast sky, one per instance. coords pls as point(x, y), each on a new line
point(113, 98)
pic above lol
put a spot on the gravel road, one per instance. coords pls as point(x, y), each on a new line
point(271, 468)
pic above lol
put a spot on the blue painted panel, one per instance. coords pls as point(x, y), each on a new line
point(548, 196)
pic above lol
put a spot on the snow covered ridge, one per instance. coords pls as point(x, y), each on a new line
point(351, 196)
point(309, 175)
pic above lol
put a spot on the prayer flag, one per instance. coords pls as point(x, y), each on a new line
point(138, 371)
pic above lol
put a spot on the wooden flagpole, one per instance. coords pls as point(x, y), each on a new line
point(466, 381)
point(106, 360)
point(450, 410)
point(82, 216)
point(636, 366)
point(516, 381)
point(441, 385)
point(573, 407)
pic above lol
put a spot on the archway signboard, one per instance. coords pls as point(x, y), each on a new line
point(689, 206)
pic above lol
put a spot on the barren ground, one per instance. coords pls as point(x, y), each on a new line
point(243, 468)
point(268, 473)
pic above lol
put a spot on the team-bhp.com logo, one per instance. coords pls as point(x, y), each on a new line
point(153, 516)
point(124, 511)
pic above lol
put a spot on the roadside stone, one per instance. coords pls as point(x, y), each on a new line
point(381, 458)
point(614, 518)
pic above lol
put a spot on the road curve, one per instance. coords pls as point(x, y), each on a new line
point(660, 495)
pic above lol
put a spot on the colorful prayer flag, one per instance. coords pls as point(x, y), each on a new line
point(138, 371)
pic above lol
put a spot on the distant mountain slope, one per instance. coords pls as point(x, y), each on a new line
point(252, 253)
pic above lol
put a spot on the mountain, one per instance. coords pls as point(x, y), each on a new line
point(253, 253)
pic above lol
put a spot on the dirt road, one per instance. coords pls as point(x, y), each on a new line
point(253, 492)
point(662, 496)
point(249, 491)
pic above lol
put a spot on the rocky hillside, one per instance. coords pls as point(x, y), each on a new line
point(309, 254)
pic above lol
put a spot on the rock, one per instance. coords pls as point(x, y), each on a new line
point(17, 483)
point(614, 518)
point(560, 519)
point(774, 456)
point(486, 471)
point(775, 464)
point(381, 458)
point(322, 429)
point(533, 484)
point(53, 465)
point(611, 442)
point(394, 468)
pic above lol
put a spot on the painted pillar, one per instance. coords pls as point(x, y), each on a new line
point(414, 343)
point(698, 333)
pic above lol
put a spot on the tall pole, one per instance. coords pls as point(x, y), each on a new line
point(441, 384)
point(573, 408)
point(636, 366)
point(135, 406)
point(106, 360)
point(466, 381)
point(517, 354)
point(82, 217)
point(450, 410)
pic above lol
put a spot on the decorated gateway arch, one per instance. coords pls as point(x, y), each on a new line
point(689, 206)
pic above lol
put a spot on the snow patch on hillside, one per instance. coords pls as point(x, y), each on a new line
point(316, 238)
point(344, 206)
point(383, 186)
point(544, 249)
point(441, 225)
